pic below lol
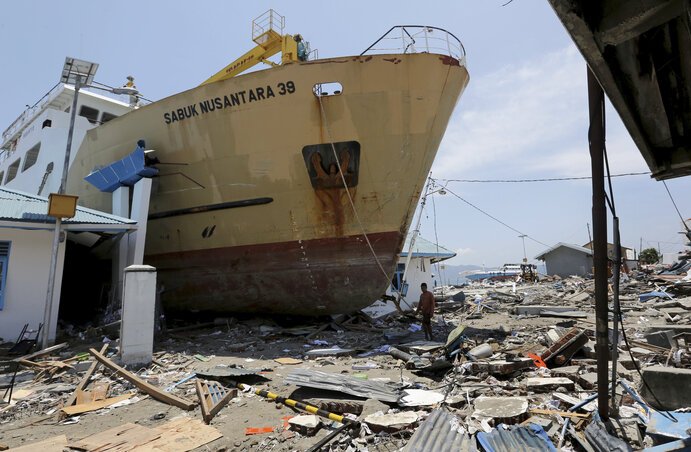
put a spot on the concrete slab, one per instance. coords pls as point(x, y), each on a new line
point(390, 423)
point(588, 380)
point(669, 384)
point(537, 309)
point(547, 384)
point(662, 338)
point(507, 410)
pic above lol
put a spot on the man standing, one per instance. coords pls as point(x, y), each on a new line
point(426, 305)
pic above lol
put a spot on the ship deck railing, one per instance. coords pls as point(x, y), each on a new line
point(418, 39)
point(28, 115)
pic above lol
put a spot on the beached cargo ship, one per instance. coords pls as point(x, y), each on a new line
point(249, 211)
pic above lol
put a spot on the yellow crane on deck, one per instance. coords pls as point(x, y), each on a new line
point(267, 33)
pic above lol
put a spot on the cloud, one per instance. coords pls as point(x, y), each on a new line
point(530, 119)
point(463, 251)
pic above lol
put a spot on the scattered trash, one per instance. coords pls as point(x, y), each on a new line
point(521, 372)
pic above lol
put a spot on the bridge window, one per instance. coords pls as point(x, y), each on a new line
point(31, 157)
point(12, 171)
point(107, 117)
point(89, 113)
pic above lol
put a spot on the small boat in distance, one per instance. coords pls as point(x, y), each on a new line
point(505, 273)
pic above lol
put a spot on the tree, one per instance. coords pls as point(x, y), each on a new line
point(649, 256)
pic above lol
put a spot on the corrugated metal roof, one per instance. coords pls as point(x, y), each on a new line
point(516, 438)
point(384, 392)
point(439, 433)
point(19, 206)
point(566, 245)
point(425, 248)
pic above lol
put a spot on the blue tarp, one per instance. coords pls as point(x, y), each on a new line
point(127, 171)
point(654, 294)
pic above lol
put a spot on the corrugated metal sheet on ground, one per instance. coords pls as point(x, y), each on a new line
point(513, 438)
point(225, 371)
point(384, 392)
point(20, 206)
point(439, 433)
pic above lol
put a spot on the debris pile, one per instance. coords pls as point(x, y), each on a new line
point(510, 364)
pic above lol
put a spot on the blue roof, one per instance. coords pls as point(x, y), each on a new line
point(425, 248)
point(19, 206)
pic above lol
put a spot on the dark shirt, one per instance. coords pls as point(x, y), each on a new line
point(426, 304)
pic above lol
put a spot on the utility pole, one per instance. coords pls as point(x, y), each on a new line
point(596, 138)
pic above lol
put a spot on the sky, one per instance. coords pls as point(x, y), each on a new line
point(524, 114)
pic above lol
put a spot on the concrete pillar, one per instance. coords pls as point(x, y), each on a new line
point(140, 214)
point(121, 207)
point(138, 306)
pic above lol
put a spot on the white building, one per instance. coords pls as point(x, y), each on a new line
point(26, 243)
point(424, 255)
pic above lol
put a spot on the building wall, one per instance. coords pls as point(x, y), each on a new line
point(27, 281)
point(420, 271)
point(565, 262)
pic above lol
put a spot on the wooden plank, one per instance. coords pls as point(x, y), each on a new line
point(45, 351)
point(181, 435)
point(91, 406)
point(122, 438)
point(209, 408)
point(560, 413)
point(153, 391)
point(54, 444)
point(83, 397)
point(85, 379)
point(100, 391)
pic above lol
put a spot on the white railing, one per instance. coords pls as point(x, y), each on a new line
point(28, 114)
point(418, 39)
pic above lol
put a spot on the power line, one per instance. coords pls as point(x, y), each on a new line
point(494, 218)
point(675, 206)
point(552, 179)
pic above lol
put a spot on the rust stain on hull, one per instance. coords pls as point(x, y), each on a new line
point(274, 278)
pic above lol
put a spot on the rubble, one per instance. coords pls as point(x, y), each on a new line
point(523, 359)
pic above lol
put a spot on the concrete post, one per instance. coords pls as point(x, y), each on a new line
point(121, 207)
point(140, 213)
point(138, 306)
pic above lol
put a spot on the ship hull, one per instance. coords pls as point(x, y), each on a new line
point(321, 276)
point(248, 212)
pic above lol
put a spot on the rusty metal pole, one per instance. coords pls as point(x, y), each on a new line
point(596, 139)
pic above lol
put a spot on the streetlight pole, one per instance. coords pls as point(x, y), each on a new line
point(80, 73)
point(525, 257)
point(58, 222)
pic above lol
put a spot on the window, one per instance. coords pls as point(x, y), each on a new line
point(12, 171)
point(107, 117)
point(31, 157)
point(4, 258)
point(327, 89)
point(89, 113)
point(2, 176)
point(397, 277)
